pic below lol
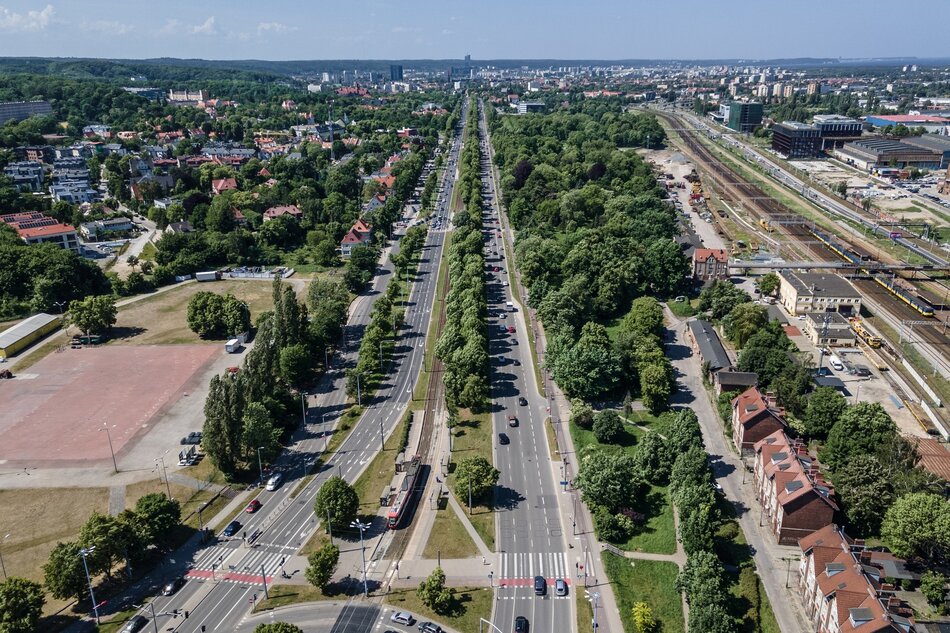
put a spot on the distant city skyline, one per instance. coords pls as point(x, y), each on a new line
point(431, 29)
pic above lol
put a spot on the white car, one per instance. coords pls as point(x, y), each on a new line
point(274, 482)
point(401, 617)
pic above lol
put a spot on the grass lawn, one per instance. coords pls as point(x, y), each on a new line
point(283, 595)
point(161, 318)
point(470, 605)
point(552, 442)
point(652, 582)
point(449, 537)
point(585, 614)
point(473, 437)
point(117, 621)
point(189, 498)
point(148, 252)
point(381, 470)
point(683, 309)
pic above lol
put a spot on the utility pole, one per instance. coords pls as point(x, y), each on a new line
point(85, 552)
point(264, 582)
point(361, 527)
point(105, 427)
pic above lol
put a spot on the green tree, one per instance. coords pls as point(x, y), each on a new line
point(655, 387)
point(643, 619)
point(433, 592)
point(917, 524)
point(645, 318)
point(608, 427)
point(701, 579)
point(768, 284)
point(113, 541)
point(205, 313)
point(743, 321)
point(338, 500)
point(934, 587)
point(653, 459)
point(278, 627)
point(582, 414)
point(92, 315)
point(235, 316)
point(295, 364)
point(159, 514)
point(684, 433)
point(859, 431)
point(865, 491)
point(63, 573)
point(259, 432)
point(610, 479)
point(691, 468)
point(711, 618)
point(224, 410)
point(321, 565)
point(480, 473)
point(21, 605)
point(825, 406)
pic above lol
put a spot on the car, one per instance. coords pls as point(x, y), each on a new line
point(401, 617)
point(232, 529)
point(522, 401)
point(135, 624)
point(192, 438)
point(503, 439)
point(717, 487)
point(429, 627)
point(274, 482)
point(560, 587)
point(253, 506)
point(511, 329)
point(517, 363)
point(173, 586)
point(521, 624)
point(512, 421)
point(540, 586)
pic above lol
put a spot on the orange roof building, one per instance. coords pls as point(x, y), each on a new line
point(35, 228)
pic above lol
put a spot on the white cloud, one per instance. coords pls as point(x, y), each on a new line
point(274, 27)
point(170, 27)
point(107, 26)
point(29, 21)
point(207, 28)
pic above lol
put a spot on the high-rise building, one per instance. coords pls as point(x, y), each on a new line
point(395, 72)
point(744, 117)
point(20, 110)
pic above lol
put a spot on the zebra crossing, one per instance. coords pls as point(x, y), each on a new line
point(525, 566)
point(213, 563)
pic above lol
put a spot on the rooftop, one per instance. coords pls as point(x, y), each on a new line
point(811, 284)
point(710, 347)
point(24, 328)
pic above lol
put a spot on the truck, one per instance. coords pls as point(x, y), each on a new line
point(835, 362)
point(210, 275)
point(233, 346)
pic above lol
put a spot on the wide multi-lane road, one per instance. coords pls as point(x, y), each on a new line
point(226, 578)
point(530, 536)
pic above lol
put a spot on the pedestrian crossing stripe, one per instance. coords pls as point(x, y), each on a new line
point(517, 566)
point(215, 563)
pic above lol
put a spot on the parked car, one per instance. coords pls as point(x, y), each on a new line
point(430, 627)
point(253, 506)
point(192, 438)
point(401, 617)
point(274, 482)
point(173, 586)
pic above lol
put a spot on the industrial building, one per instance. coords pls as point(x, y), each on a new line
point(26, 332)
point(938, 144)
point(744, 117)
point(22, 110)
point(802, 293)
point(876, 152)
point(835, 130)
point(937, 124)
point(796, 140)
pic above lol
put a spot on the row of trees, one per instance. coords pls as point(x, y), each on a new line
point(251, 409)
point(463, 345)
point(593, 235)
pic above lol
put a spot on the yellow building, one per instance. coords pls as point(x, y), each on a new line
point(26, 332)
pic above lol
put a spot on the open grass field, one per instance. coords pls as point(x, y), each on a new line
point(473, 437)
point(381, 470)
point(283, 595)
point(448, 537)
point(652, 582)
point(469, 606)
point(162, 318)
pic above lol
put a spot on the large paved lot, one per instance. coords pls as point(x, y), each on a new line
point(52, 415)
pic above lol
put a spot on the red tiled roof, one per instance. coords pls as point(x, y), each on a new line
point(702, 254)
point(752, 405)
point(223, 184)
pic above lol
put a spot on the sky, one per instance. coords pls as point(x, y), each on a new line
point(450, 29)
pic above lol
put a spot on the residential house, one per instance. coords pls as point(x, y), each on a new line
point(179, 227)
point(729, 380)
point(754, 416)
point(795, 498)
point(706, 342)
point(710, 264)
point(93, 230)
point(845, 587)
point(288, 210)
point(360, 233)
point(239, 218)
point(26, 175)
point(35, 228)
point(223, 184)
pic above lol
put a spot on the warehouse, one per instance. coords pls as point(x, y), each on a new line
point(937, 124)
point(26, 332)
point(872, 153)
point(934, 143)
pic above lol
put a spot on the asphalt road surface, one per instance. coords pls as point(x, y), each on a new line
point(226, 578)
point(530, 537)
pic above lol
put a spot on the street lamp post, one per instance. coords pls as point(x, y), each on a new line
point(323, 416)
point(303, 407)
point(484, 621)
point(593, 597)
point(362, 526)
point(105, 427)
point(382, 444)
point(152, 609)
point(168, 488)
point(4, 567)
point(85, 552)
point(260, 464)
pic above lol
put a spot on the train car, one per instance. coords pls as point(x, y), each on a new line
point(910, 299)
point(766, 225)
point(405, 493)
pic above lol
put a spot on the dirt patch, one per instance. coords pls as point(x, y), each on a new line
point(54, 413)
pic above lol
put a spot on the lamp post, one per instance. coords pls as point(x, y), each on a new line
point(168, 489)
point(593, 596)
point(303, 407)
point(323, 416)
point(362, 526)
point(105, 427)
point(4, 567)
point(382, 443)
point(60, 304)
point(152, 609)
point(260, 464)
point(85, 552)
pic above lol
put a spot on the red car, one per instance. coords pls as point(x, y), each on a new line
point(496, 269)
point(253, 507)
point(511, 329)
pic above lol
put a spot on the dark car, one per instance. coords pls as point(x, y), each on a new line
point(540, 586)
point(232, 528)
point(192, 438)
point(135, 624)
point(521, 624)
point(517, 363)
point(503, 439)
point(173, 586)
point(430, 627)
point(522, 401)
